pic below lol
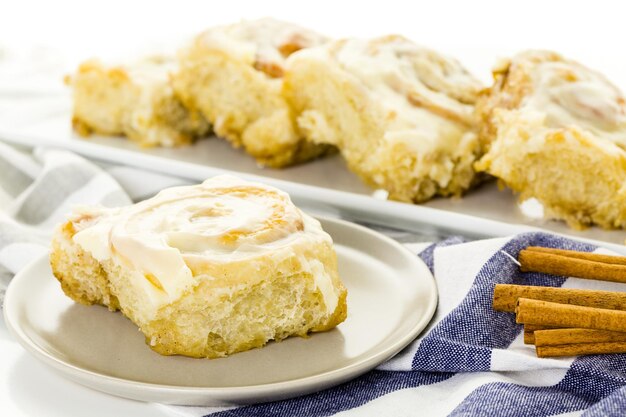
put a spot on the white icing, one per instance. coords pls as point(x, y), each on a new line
point(258, 40)
point(532, 208)
point(153, 69)
point(223, 219)
point(396, 71)
point(571, 95)
point(324, 284)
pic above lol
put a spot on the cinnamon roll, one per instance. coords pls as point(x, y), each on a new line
point(401, 115)
point(134, 100)
point(233, 76)
point(205, 270)
point(556, 131)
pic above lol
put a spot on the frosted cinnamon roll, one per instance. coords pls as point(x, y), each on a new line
point(233, 75)
point(134, 100)
point(205, 270)
point(556, 131)
point(401, 115)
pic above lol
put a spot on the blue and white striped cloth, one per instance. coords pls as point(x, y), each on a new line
point(470, 361)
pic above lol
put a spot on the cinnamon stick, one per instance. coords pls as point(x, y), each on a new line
point(578, 264)
point(581, 349)
point(597, 257)
point(553, 337)
point(505, 297)
point(534, 327)
point(567, 315)
point(529, 338)
point(529, 332)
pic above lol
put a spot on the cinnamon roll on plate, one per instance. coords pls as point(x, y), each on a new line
point(205, 270)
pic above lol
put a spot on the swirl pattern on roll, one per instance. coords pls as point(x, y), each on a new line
point(562, 92)
point(174, 235)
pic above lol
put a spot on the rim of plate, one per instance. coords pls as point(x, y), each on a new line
point(343, 373)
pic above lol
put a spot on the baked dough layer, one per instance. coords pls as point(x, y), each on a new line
point(233, 76)
point(206, 270)
point(136, 101)
point(555, 131)
point(401, 115)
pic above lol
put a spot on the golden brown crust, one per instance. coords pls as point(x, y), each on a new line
point(576, 177)
point(135, 101)
point(82, 278)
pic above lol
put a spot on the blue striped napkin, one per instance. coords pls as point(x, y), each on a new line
point(471, 360)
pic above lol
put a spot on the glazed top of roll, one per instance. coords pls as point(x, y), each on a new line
point(563, 92)
point(427, 97)
point(171, 237)
point(264, 43)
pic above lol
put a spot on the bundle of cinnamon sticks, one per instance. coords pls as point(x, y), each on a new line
point(563, 321)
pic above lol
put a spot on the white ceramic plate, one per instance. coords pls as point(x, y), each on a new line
point(324, 186)
point(391, 298)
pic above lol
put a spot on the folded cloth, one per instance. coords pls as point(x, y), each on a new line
point(471, 360)
point(38, 189)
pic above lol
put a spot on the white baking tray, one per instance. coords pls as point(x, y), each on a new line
point(323, 186)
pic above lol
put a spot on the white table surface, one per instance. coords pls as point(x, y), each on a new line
point(29, 388)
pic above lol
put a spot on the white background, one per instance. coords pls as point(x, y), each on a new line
point(476, 32)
